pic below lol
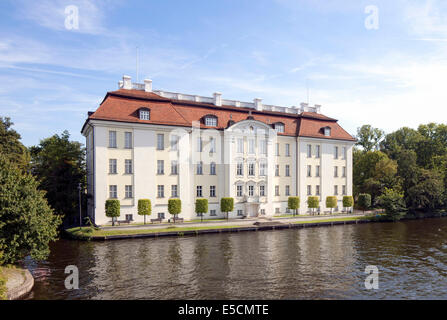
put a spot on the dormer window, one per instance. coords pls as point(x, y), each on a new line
point(327, 131)
point(210, 121)
point(145, 114)
point(279, 127)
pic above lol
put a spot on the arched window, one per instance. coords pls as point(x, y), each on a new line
point(210, 120)
point(144, 114)
point(327, 131)
point(279, 127)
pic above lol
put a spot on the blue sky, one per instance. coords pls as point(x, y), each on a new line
point(388, 77)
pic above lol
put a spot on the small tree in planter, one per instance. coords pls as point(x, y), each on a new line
point(174, 207)
point(201, 207)
point(227, 205)
point(293, 203)
point(113, 209)
point(313, 203)
point(364, 201)
point(144, 208)
point(348, 202)
point(331, 202)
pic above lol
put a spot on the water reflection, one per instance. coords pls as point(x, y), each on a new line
point(314, 263)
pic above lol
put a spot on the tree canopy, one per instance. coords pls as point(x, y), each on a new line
point(11, 147)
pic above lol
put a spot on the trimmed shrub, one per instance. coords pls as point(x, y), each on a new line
point(201, 207)
point(331, 202)
point(174, 207)
point(113, 209)
point(313, 202)
point(364, 201)
point(144, 208)
point(348, 201)
point(227, 205)
point(293, 203)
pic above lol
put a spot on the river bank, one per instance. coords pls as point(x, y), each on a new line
point(16, 283)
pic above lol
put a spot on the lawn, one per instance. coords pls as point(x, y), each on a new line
point(330, 220)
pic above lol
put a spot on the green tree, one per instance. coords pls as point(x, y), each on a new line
point(59, 165)
point(227, 205)
point(113, 207)
point(293, 203)
point(369, 138)
point(201, 207)
point(428, 193)
point(27, 223)
point(364, 201)
point(331, 202)
point(313, 203)
point(144, 208)
point(11, 147)
point(393, 203)
point(348, 202)
point(174, 207)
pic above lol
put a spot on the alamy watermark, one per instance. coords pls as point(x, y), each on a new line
point(372, 20)
point(372, 279)
point(72, 281)
point(71, 17)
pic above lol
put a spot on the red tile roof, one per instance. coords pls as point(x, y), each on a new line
point(123, 105)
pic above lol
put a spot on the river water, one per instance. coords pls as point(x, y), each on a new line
point(313, 263)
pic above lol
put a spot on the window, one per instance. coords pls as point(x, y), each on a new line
point(161, 215)
point(276, 190)
point(277, 210)
point(317, 171)
point(343, 153)
point(128, 166)
point(240, 169)
point(145, 114)
point(240, 145)
point(174, 167)
point(263, 169)
point(113, 192)
point(251, 191)
point(317, 151)
point(251, 169)
point(200, 168)
point(213, 212)
point(287, 210)
point(213, 168)
point(262, 191)
point(344, 172)
point(160, 141)
point(112, 139)
point(129, 192)
point(129, 217)
point(335, 171)
point(199, 144)
point(287, 190)
point(277, 149)
point(211, 121)
point(128, 140)
point(287, 170)
point(309, 151)
point(262, 211)
point(317, 190)
point(344, 190)
point(335, 190)
point(160, 167)
point(309, 190)
point(335, 152)
point(327, 131)
point(240, 212)
point(263, 146)
point(251, 146)
point(212, 191)
point(199, 191)
point(239, 191)
point(279, 127)
point(309, 171)
point(287, 150)
point(277, 170)
point(212, 145)
point(112, 166)
point(160, 191)
point(174, 142)
point(174, 191)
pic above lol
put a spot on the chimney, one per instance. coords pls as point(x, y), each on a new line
point(217, 99)
point(317, 108)
point(258, 103)
point(127, 82)
point(120, 84)
point(148, 85)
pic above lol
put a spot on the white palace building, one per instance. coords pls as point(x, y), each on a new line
point(153, 144)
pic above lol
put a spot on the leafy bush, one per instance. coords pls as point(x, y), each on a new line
point(227, 205)
point(331, 202)
point(313, 202)
point(348, 201)
point(174, 207)
point(393, 202)
point(144, 208)
point(2, 286)
point(293, 203)
point(364, 201)
point(201, 207)
point(113, 209)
